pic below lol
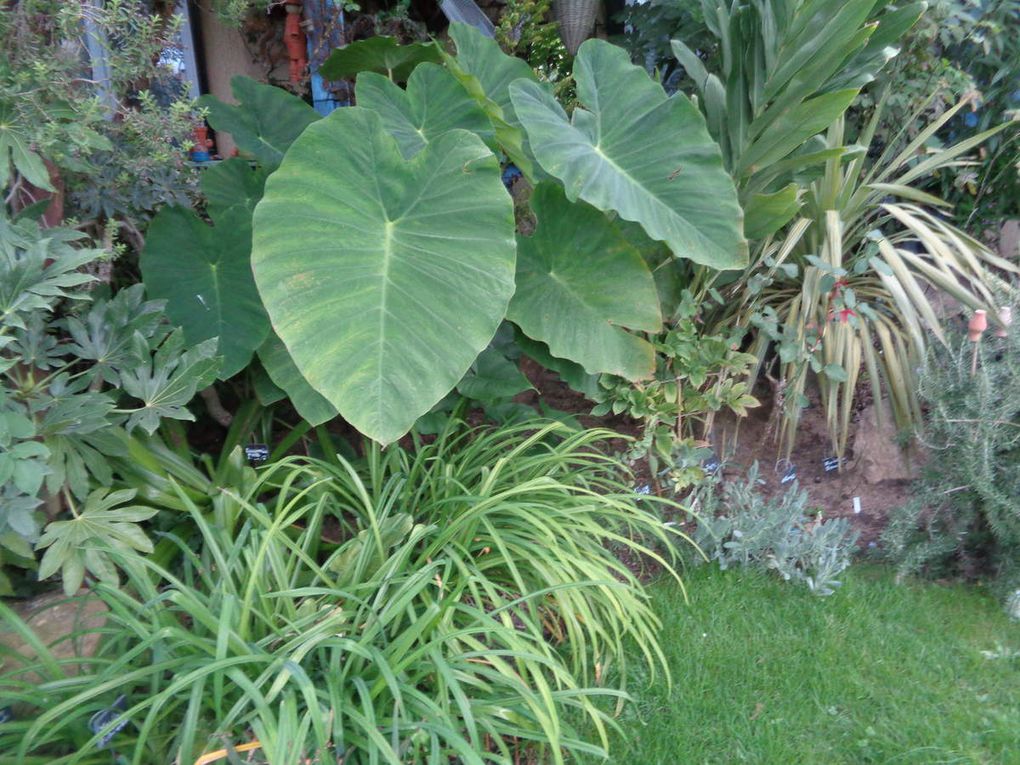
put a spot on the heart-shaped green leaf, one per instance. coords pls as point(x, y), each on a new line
point(264, 123)
point(379, 54)
point(578, 283)
point(486, 72)
point(384, 277)
point(233, 183)
point(204, 274)
point(637, 152)
point(280, 368)
point(433, 103)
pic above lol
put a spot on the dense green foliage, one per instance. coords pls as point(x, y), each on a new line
point(388, 610)
point(843, 294)
point(878, 673)
point(89, 88)
point(79, 372)
point(400, 251)
point(964, 517)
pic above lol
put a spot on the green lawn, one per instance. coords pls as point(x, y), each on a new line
point(765, 672)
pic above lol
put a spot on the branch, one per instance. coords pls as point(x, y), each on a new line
point(215, 407)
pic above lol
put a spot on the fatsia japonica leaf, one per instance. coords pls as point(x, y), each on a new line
point(579, 284)
point(631, 149)
point(38, 268)
point(264, 123)
point(169, 381)
point(380, 54)
point(104, 335)
point(82, 543)
point(384, 277)
point(433, 103)
point(204, 274)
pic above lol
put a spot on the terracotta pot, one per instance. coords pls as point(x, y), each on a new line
point(978, 324)
point(296, 42)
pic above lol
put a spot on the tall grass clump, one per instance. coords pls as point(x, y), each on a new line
point(459, 601)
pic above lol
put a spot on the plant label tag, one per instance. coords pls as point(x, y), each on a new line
point(832, 463)
point(645, 489)
point(857, 505)
point(256, 453)
point(104, 717)
point(789, 476)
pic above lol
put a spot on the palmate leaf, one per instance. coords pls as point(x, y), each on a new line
point(433, 103)
point(104, 336)
point(170, 381)
point(78, 545)
point(380, 54)
point(38, 268)
point(204, 274)
point(632, 150)
point(384, 277)
point(266, 121)
point(579, 283)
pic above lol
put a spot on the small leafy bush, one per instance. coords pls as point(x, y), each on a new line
point(79, 371)
point(451, 603)
point(739, 526)
point(964, 517)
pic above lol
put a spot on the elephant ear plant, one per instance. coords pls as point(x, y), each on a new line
point(385, 252)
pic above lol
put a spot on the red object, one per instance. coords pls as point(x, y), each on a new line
point(297, 43)
point(203, 143)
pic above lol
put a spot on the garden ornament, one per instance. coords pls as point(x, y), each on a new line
point(297, 43)
point(978, 324)
point(201, 151)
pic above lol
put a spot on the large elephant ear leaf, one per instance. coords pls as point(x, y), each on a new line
point(264, 123)
point(204, 274)
point(482, 58)
point(380, 54)
point(433, 103)
point(633, 150)
point(233, 183)
point(579, 283)
point(279, 366)
point(384, 277)
point(486, 72)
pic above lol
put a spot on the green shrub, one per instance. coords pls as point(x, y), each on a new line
point(80, 370)
point(740, 526)
point(964, 516)
point(411, 608)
